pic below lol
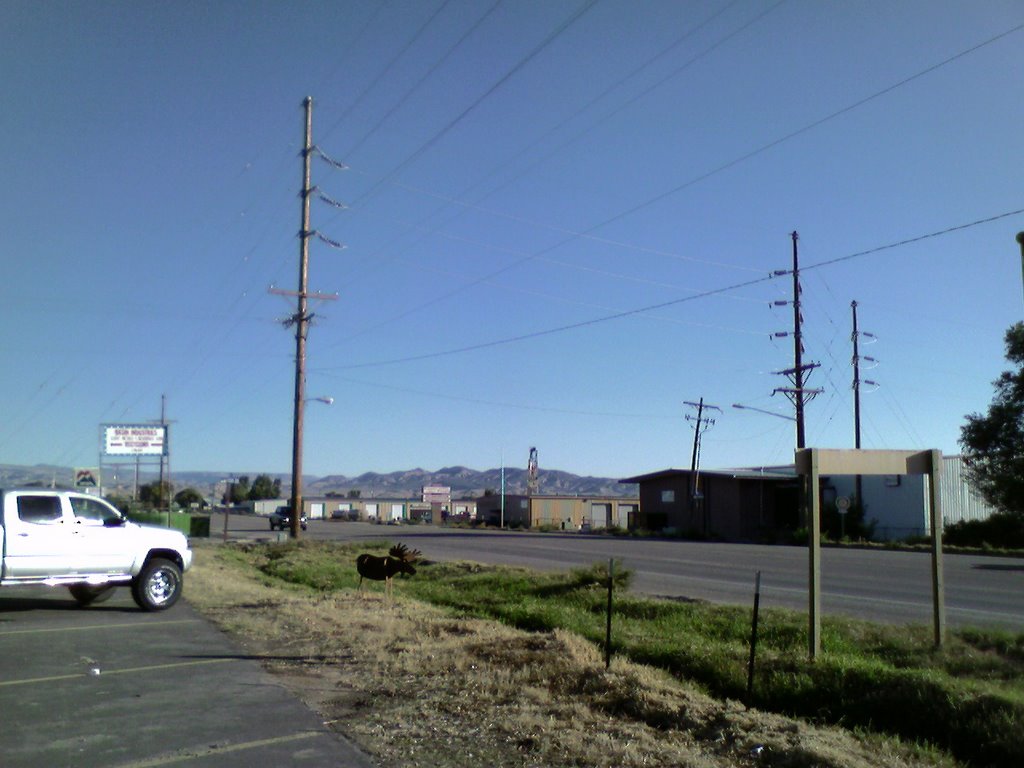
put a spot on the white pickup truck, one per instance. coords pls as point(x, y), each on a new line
point(64, 538)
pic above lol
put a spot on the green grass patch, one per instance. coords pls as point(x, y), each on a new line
point(967, 699)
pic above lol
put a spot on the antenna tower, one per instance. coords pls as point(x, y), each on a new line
point(532, 478)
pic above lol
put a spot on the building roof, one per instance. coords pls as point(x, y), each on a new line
point(784, 472)
point(566, 497)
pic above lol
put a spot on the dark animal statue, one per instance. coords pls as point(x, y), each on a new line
point(398, 560)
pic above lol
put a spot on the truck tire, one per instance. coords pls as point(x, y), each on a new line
point(87, 594)
point(158, 586)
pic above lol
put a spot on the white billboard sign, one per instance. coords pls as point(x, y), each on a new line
point(134, 440)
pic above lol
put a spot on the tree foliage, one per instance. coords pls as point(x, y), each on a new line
point(187, 497)
point(993, 444)
point(155, 494)
point(264, 488)
point(237, 490)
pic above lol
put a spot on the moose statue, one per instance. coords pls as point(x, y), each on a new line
point(399, 559)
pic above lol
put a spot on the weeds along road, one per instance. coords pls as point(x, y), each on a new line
point(883, 586)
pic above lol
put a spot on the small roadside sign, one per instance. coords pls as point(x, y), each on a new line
point(87, 477)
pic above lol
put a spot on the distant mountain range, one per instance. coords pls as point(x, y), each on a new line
point(463, 481)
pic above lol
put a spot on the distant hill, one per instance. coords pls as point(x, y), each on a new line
point(463, 481)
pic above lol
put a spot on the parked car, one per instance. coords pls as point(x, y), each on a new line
point(281, 519)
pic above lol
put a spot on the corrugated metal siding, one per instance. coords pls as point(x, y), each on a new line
point(959, 502)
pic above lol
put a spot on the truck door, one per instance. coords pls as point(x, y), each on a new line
point(39, 541)
point(102, 541)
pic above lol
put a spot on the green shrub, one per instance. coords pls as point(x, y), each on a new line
point(1001, 530)
point(180, 521)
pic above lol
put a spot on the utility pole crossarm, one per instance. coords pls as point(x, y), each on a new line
point(803, 369)
point(307, 295)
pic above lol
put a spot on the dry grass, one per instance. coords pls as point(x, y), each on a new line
point(414, 687)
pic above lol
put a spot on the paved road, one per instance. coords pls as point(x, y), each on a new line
point(113, 687)
point(892, 587)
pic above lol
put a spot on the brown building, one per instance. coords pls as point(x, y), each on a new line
point(570, 513)
point(759, 504)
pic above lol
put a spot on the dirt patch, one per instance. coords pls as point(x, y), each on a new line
point(413, 686)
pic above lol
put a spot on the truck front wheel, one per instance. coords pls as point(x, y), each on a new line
point(158, 586)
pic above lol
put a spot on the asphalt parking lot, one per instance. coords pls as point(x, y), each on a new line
point(112, 686)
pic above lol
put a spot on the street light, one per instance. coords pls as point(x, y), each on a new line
point(762, 410)
point(322, 399)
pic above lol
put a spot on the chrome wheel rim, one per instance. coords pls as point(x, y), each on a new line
point(161, 586)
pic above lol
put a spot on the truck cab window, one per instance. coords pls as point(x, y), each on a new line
point(90, 511)
point(39, 509)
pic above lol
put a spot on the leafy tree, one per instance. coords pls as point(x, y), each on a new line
point(993, 444)
point(187, 497)
point(155, 494)
point(354, 493)
point(238, 490)
point(264, 488)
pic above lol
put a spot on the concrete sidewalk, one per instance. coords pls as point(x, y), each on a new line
point(111, 686)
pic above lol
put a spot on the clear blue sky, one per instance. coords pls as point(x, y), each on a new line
point(515, 169)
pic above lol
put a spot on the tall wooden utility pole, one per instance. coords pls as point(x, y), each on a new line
point(301, 325)
point(798, 393)
point(301, 320)
point(859, 481)
point(856, 381)
point(798, 349)
point(700, 425)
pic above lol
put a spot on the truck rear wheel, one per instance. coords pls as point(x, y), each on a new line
point(87, 594)
point(158, 586)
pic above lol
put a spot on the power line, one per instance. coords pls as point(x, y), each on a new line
point(815, 124)
point(661, 305)
point(587, 234)
point(426, 76)
point(661, 196)
point(911, 240)
point(534, 52)
point(559, 329)
point(387, 67)
point(621, 107)
point(574, 234)
point(574, 302)
point(495, 403)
